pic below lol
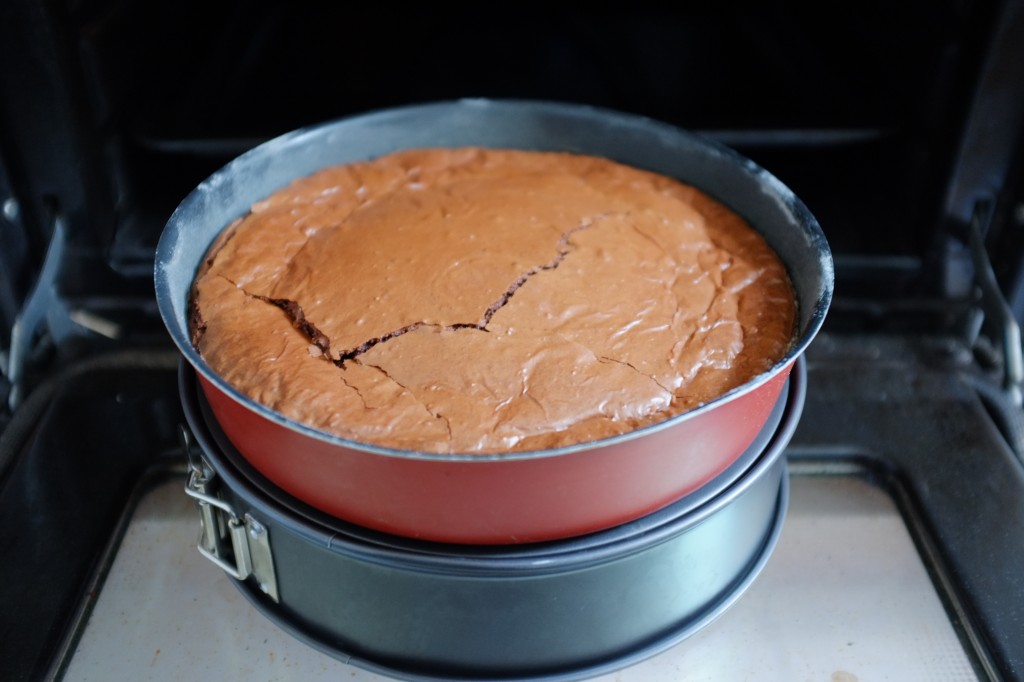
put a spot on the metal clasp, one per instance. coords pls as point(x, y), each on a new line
point(239, 545)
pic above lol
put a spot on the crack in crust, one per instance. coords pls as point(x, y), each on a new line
point(353, 353)
point(435, 415)
point(294, 312)
point(608, 359)
point(563, 248)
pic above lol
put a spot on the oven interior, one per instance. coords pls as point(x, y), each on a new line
point(900, 126)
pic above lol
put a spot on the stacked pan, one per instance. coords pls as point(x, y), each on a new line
point(558, 610)
point(556, 564)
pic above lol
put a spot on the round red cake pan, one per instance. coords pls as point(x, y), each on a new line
point(522, 496)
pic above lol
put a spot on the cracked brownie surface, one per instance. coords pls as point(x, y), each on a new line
point(472, 300)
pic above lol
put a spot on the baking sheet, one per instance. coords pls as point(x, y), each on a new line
point(845, 597)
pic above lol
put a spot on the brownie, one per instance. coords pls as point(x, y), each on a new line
point(477, 300)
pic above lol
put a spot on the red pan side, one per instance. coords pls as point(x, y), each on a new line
point(500, 500)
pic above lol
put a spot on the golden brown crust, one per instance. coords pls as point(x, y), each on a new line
point(471, 300)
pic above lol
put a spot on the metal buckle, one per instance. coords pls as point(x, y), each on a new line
point(239, 545)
